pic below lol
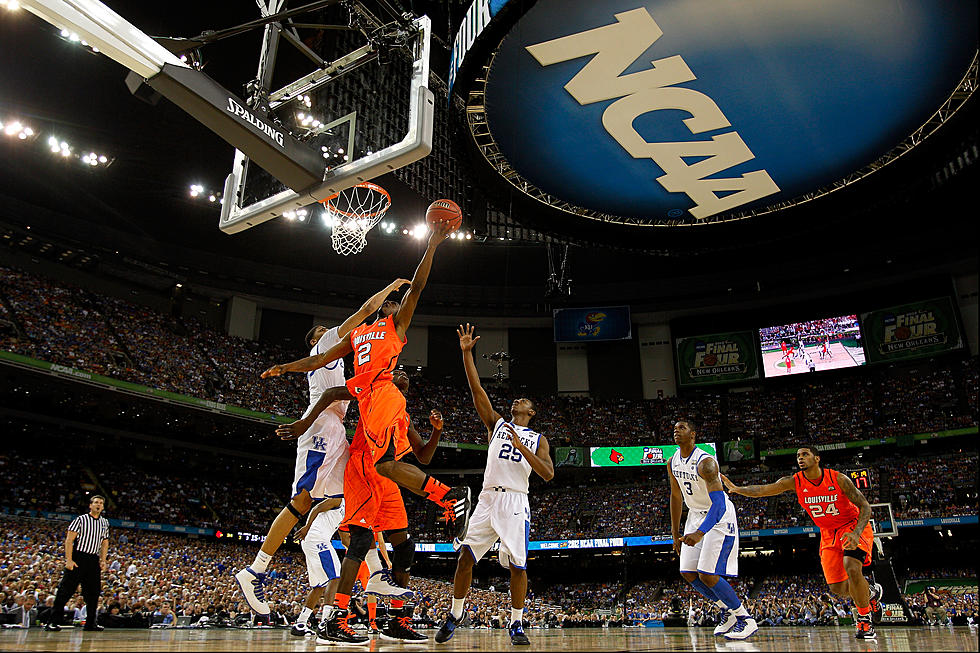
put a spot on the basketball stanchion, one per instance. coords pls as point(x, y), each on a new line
point(352, 213)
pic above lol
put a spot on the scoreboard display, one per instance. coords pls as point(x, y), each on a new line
point(861, 478)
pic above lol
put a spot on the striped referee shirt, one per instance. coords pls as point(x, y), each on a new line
point(91, 533)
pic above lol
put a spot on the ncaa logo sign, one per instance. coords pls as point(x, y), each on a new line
point(684, 110)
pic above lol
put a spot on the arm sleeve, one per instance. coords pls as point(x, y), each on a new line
point(716, 512)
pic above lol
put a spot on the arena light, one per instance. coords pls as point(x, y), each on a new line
point(10, 5)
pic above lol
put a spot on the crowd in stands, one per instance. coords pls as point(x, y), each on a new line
point(78, 328)
point(153, 575)
point(808, 332)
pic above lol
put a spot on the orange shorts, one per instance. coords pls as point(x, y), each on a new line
point(832, 551)
point(370, 500)
point(383, 417)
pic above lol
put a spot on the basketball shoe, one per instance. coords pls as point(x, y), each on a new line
point(517, 636)
point(399, 628)
point(382, 583)
point(865, 629)
point(743, 628)
point(726, 623)
point(456, 504)
point(301, 629)
point(252, 585)
point(876, 592)
point(337, 631)
point(447, 629)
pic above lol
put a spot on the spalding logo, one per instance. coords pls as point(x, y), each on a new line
point(614, 48)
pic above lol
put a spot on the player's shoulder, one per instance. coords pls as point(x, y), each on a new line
point(329, 338)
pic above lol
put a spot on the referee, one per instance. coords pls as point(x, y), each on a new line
point(86, 546)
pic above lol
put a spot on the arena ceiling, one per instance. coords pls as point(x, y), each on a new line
point(913, 213)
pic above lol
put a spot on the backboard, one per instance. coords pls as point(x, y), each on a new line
point(362, 104)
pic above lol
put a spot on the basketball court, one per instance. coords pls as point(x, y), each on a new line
point(955, 638)
point(840, 357)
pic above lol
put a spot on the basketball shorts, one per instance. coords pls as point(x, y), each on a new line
point(717, 552)
point(322, 563)
point(372, 501)
point(504, 516)
point(383, 416)
point(832, 550)
point(321, 455)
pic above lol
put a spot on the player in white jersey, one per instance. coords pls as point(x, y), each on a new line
point(708, 548)
point(322, 563)
point(321, 452)
point(503, 512)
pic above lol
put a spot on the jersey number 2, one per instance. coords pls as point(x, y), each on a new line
point(508, 452)
point(364, 353)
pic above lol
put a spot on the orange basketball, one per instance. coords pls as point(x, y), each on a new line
point(444, 211)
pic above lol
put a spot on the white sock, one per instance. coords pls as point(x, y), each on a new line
point(516, 614)
point(261, 562)
point(304, 616)
point(721, 604)
point(457, 609)
point(326, 613)
point(740, 611)
point(373, 561)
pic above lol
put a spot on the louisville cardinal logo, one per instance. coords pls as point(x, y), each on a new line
point(616, 457)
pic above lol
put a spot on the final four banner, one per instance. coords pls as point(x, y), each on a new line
point(912, 330)
point(717, 358)
point(591, 324)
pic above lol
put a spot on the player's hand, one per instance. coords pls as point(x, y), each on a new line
point(440, 232)
point(435, 419)
point(692, 539)
point(466, 339)
point(850, 541)
point(731, 487)
point(70, 564)
point(275, 370)
point(677, 544)
point(514, 440)
point(398, 283)
point(292, 430)
point(300, 535)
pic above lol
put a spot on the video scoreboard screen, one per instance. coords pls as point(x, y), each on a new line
point(803, 347)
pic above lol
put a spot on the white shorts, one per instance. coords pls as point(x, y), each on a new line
point(322, 563)
point(717, 552)
point(504, 516)
point(321, 455)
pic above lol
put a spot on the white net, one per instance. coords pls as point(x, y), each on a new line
point(352, 213)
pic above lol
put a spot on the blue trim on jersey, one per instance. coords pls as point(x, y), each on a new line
point(326, 558)
point(726, 550)
point(313, 461)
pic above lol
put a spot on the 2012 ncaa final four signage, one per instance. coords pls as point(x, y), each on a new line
point(717, 358)
point(683, 112)
point(923, 328)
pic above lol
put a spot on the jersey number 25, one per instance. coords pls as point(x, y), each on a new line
point(508, 452)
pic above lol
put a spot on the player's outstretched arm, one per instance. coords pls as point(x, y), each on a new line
point(323, 506)
point(484, 408)
point(676, 508)
point(295, 429)
point(855, 496)
point(313, 362)
point(403, 318)
point(369, 307)
point(785, 484)
point(424, 451)
point(540, 461)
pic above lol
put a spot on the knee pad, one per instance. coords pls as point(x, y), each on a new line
point(361, 540)
point(402, 555)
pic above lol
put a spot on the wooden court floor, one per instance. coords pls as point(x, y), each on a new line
point(898, 638)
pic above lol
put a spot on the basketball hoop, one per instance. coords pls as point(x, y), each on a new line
point(352, 213)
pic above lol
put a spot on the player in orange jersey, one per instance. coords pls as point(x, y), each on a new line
point(842, 513)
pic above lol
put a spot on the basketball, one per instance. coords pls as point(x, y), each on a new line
point(444, 211)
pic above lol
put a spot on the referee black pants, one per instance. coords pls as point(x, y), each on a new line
point(88, 574)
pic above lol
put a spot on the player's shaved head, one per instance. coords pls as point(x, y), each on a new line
point(314, 334)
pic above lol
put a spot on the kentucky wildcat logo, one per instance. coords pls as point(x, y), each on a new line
point(249, 117)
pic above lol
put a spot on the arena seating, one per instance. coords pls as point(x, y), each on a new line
point(82, 329)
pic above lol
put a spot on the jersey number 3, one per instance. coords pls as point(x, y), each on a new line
point(364, 353)
point(508, 452)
